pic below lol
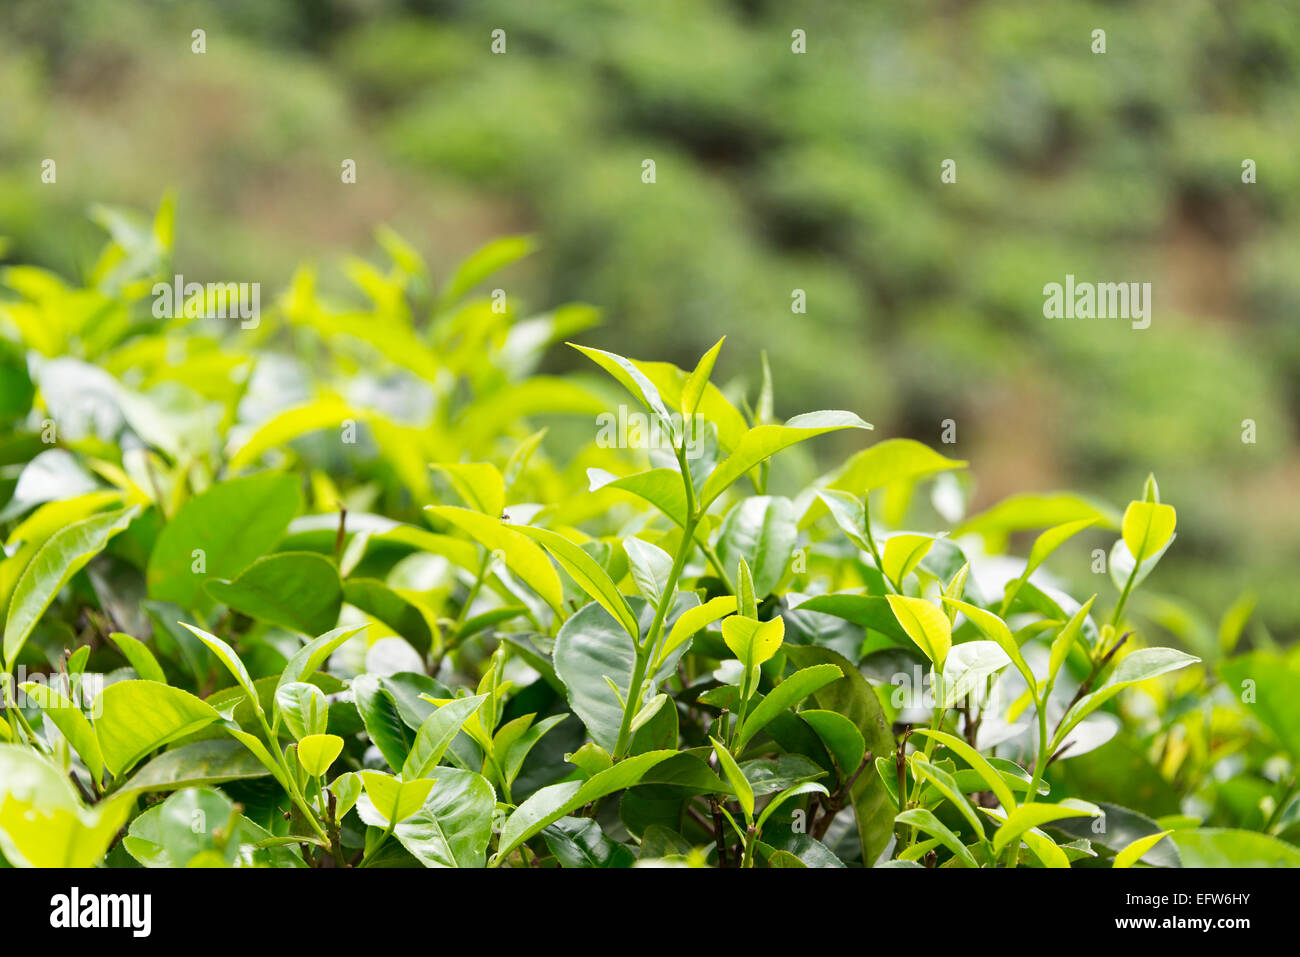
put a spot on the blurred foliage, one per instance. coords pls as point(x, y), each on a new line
point(775, 172)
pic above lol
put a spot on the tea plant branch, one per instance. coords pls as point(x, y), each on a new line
point(718, 831)
point(833, 803)
point(648, 650)
point(383, 839)
point(742, 703)
point(751, 836)
point(332, 827)
point(341, 534)
point(649, 647)
point(23, 727)
point(1043, 757)
point(684, 465)
point(699, 819)
point(900, 765)
point(1123, 595)
point(936, 724)
point(290, 778)
point(718, 567)
point(1288, 792)
point(871, 541)
point(447, 645)
point(473, 592)
point(1059, 751)
point(1086, 686)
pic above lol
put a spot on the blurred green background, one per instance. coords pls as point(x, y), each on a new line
point(775, 171)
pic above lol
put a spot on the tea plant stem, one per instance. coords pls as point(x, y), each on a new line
point(336, 840)
point(630, 706)
point(716, 562)
point(718, 831)
point(383, 839)
point(500, 777)
point(290, 779)
point(833, 803)
point(900, 765)
point(473, 592)
point(157, 489)
point(1123, 597)
point(871, 541)
point(1086, 686)
point(742, 705)
point(1281, 805)
point(685, 467)
point(936, 724)
point(751, 836)
point(341, 534)
point(648, 650)
point(1044, 752)
point(12, 707)
point(1011, 595)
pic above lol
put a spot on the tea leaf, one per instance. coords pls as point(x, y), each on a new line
point(788, 693)
point(925, 624)
point(762, 531)
point(398, 611)
point(698, 379)
point(220, 532)
point(524, 558)
point(1134, 851)
point(923, 820)
point(650, 566)
point(1233, 847)
point(592, 650)
point(1141, 665)
point(1029, 816)
point(65, 553)
point(766, 440)
point(736, 778)
point(42, 821)
point(902, 554)
point(454, 824)
point(231, 660)
point(436, 734)
point(303, 709)
point(190, 765)
point(300, 591)
point(752, 642)
point(140, 657)
point(1147, 527)
point(994, 628)
point(551, 803)
point(68, 718)
point(480, 484)
point(977, 763)
point(391, 800)
point(316, 752)
point(136, 717)
point(589, 576)
point(690, 621)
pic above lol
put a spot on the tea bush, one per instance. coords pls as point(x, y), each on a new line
point(352, 585)
point(778, 171)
